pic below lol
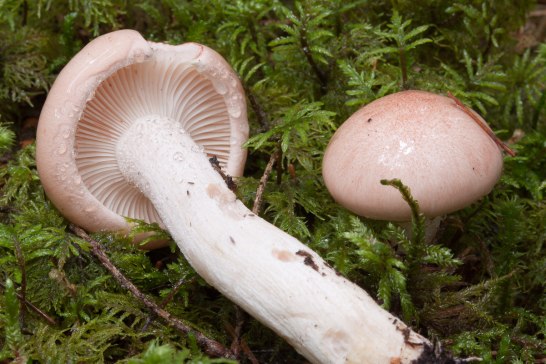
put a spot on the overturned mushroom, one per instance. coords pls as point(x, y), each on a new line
point(125, 112)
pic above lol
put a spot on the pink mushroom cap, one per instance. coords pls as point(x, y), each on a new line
point(428, 142)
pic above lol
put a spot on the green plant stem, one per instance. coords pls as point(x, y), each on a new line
point(417, 248)
point(21, 263)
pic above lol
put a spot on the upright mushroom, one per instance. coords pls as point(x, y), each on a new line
point(125, 131)
point(429, 142)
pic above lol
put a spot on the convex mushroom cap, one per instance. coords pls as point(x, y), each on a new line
point(116, 79)
point(427, 141)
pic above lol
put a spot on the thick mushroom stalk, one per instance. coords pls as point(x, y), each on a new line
point(270, 274)
point(127, 130)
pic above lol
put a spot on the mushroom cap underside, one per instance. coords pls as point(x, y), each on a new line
point(425, 140)
point(114, 80)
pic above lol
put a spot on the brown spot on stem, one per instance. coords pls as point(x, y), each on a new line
point(232, 240)
point(332, 268)
point(283, 255)
point(410, 337)
point(227, 178)
point(406, 333)
point(221, 195)
point(308, 259)
point(336, 339)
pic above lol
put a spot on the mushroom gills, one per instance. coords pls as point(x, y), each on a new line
point(131, 94)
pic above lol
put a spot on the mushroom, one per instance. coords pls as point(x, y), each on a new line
point(77, 161)
point(126, 129)
point(431, 143)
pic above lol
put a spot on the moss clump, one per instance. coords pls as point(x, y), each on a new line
point(306, 66)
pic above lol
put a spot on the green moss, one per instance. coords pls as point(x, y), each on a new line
point(306, 66)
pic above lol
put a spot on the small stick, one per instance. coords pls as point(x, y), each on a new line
point(482, 125)
point(239, 344)
point(263, 182)
point(210, 346)
point(165, 301)
point(30, 305)
point(261, 116)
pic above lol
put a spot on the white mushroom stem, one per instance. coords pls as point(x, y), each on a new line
point(270, 274)
point(431, 227)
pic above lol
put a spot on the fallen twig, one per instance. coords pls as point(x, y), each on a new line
point(261, 116)
point(34, 308)
point(209, 346)
point(165, 301)
point(256, 208)
point(239, 344)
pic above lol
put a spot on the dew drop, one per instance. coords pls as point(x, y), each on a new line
point(178, 156)
point(197, 149)
point(62, 149)
point(220, 87)
point(235, 111)
point(70, 109)
point(180, 129)
point(66, 133)
point(140, 129)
